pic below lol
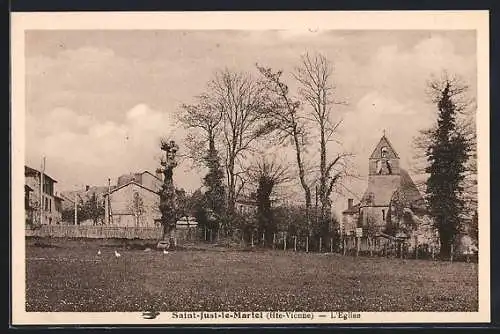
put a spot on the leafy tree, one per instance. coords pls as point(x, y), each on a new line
point(447, 155)
point(214, 181)
point(474, 228)
point(267, 173)
point(168, 203)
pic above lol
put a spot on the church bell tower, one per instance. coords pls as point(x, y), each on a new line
point(384, 160)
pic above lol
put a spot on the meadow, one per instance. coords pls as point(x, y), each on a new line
point(69, 276)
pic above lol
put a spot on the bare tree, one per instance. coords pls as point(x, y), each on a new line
point(137, 208)
point(202, 116)
point(314, 76)
point(240, 99)
point(283, 111)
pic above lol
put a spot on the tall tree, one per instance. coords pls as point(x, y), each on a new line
point(317, 89)
point(447, 155)
point(240, 98)
point(206, 117)
point(214, 182)
point(203, 116)
point(168, 204)
point(283, 111)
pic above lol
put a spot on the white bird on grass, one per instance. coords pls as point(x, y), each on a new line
point(165, 251)
point(99, 252)
point(117, 254)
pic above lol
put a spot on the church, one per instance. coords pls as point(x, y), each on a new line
point(388, 183)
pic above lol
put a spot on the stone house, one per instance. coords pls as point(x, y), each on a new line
point(134, 201)
point(43, 198)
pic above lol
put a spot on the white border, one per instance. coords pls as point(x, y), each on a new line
point(408, 20)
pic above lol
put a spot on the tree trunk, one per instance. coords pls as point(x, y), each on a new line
point(445, 250)
point(302, 177)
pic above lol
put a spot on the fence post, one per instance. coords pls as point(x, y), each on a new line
point(218, 234)
point(210, 235)
point(252, 239)
point(320, 243)
point(294, 243)
point(307, 244)
point(263, 239)
point(401, 249)
point(344, 245)
point(274, 240)
point(205, 233)
point(432, 253)
point(331, 245)
point(451, 253)
point(416, 248)
point(284, 242)
point(358, 245)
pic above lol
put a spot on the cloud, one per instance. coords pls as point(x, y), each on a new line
point(98, 107)
point(83, 150)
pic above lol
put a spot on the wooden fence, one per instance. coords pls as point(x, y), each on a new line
point(96, 232)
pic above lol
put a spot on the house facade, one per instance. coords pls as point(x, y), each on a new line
point(81, 197)
point(42, 204)
point(387, 181)
point(134, 201)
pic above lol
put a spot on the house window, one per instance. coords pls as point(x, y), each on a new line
point(46, 204)
point(50, 205)
point(383, 215)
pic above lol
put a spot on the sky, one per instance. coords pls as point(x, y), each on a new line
point(97, 102)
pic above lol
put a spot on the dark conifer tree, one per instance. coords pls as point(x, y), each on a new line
point(447, 156)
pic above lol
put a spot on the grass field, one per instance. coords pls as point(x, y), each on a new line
point(70, 276)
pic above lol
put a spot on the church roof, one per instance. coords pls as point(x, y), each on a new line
point(377, 152)
point(410, 191)
point(382, 188)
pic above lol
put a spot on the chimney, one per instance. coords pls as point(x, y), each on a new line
point(159, 174)
point(349, 204)
point(87, 188)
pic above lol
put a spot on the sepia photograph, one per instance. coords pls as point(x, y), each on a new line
point(307, 173)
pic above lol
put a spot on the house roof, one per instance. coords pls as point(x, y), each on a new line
point(28, 171)
point(148, 172)
point(128, 184)
point(27, 188)
point(353, 209)
point(384, 141)
point(137, 177)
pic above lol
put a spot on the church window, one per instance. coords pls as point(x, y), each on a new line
point(389, 168)
point(379, 167)
point(383, 215)
point(383, 152)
